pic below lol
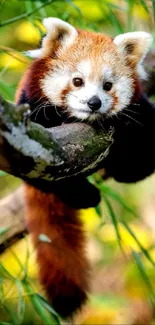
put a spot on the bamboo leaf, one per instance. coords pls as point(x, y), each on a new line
point(5, 272)
point(5, 323)
point(4, 230)
point(2, 174)
point(13, 318)
point(35, 300)
point(72, 4)
point(144, 5)
point(50, 309)
point(144, 274)
point(145, 252)
point(7, 91)
point(114, 219)
point(114, 20)
point(98, 210)
point(21, 302)
point(110, 192)
point(153, 7)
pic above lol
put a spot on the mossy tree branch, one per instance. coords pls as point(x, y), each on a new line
point(29, 151)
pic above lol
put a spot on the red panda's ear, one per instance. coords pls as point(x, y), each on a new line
point(133, 47)
point(59, 35)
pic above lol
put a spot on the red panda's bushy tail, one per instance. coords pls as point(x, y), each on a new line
point(63, 267)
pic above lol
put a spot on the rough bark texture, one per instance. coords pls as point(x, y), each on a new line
point(12, 217)
point(29, 151)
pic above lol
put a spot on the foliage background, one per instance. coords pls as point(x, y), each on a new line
point(121, 231)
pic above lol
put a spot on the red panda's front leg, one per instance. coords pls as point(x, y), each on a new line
point(63, 266)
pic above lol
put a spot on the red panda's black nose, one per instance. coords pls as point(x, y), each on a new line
point(94, 103)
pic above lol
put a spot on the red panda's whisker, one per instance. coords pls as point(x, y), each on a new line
point(131, 118)
point(72, 95)
point(34, 111)
point(39, 99)
point(37, 114)
point(44, 109)
point(58, 113)
point(100, 124)
point(129, 110)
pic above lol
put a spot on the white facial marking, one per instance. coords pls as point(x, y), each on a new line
point(124, 91)
point(107, 74)
point(84, 67)
point(54, 83)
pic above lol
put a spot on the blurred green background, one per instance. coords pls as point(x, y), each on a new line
point(121, 231)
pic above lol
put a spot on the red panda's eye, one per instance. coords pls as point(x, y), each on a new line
point(107, 86)
point(77, 82)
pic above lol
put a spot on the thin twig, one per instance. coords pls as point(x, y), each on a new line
point(13, 53)
point(25, 15)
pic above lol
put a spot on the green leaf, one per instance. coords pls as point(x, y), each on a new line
point(145, 252)
point(16, 258)
point(98, 210)
point(21, 301)
point(12, 315)
point(114, 20)
point(107, 300)
point(7, 91)
point(110, 192)
point(50, 309)
point(35, 300)
point(2, 174)
point(4, 230)
point(1, 289)
point(4, 272)
point(114, 219)
point(144, 5)
point(144, 274)
point(114, 6)
point(72, 4)
point(153, 6)
point(5, 323)
point(42, 10)
point(29, 8)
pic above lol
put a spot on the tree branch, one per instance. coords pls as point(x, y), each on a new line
point(12, 216)
point(25, 15)
point(29, 151)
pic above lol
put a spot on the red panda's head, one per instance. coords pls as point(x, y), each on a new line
point(87, 73)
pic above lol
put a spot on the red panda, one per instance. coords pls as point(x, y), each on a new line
point(76, 75)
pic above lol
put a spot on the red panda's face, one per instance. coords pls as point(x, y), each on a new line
point(90, 74)
point(89, 88)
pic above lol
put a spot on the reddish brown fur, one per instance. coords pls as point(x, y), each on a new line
point(137, 88)
point(32, 77)
point(64, 270)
